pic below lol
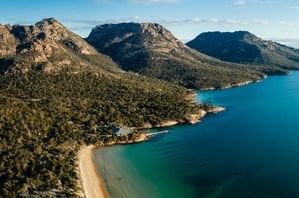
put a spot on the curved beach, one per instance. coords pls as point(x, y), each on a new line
point(92, 184)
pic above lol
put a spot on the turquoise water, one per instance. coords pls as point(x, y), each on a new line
point(249, 151)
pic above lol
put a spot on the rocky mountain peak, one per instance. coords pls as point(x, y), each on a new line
point(247, 36)
point(152, 36)
point(47, 45)
point(48, 21)
point(160, 36)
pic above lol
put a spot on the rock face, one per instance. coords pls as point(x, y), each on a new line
point(7, 41)
point(244, 47)
point(152, 50)
point(130, 44)
point(46, 46)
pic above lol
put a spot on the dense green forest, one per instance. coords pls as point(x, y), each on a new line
point(45, 118)
point(187, 74)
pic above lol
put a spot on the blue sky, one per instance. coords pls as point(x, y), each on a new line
point(270, 19)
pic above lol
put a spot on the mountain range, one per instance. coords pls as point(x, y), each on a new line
point(148, 49)
point(60, 92)
point(151, 50)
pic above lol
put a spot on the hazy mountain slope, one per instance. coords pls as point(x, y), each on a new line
point(152, 50)
point(244, 47)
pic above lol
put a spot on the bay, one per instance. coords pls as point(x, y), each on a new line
point(250, 150)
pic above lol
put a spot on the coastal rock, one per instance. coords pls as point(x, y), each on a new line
point(167, 123)
point(147, 126)
point(215, 110)
point(196, 117)
point(206, 109)
point(141, 138)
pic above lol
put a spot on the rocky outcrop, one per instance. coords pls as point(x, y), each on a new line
point(46, 46)
point(51, 28)
point(147, 36)
point(159, 38)
point(215, 109)
point(200, 114)
point(7, 41)
point(196, 117)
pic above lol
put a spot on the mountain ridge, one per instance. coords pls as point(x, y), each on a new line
point(152, 50)
point(47, 46)
point(246, 48)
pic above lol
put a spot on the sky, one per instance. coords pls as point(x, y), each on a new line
point(270, 19)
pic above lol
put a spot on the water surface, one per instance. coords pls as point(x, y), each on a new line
point(249, 151)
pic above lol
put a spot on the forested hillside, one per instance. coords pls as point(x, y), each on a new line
point(58, 93)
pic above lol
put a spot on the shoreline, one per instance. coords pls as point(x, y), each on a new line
point(93, 185)
point(240, 84)
point(91, 181)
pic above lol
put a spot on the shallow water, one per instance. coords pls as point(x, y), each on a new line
point(250, 150)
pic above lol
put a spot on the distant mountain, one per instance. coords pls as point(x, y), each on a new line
point(246, 48)
point(152, 50)
point(47, 46)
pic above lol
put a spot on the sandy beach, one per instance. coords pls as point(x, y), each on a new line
point(92, 183)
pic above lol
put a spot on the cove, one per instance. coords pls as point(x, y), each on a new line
point(250, 150)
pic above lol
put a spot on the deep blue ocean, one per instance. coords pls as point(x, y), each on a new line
point(249, 151)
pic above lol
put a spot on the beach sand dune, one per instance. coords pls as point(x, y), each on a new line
point(91, 181)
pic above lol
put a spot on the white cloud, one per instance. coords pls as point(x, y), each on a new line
point(240, 2)
point(244, 3)
point(91, 22)
point(289, 23)
point(88, 24)
point(202, 21)
point(294, 7)
point(85, 24)
point(154, 1)
point(140, 1)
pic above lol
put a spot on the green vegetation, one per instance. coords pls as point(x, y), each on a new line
point(194, 75)
point(45, 118)
point(58, 93)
